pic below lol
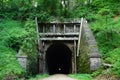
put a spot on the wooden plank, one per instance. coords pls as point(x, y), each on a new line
point(58, 34)
point(54, 28)
point(37, 30)
point(107, 65)
point(78, 47)
point(40, 57)
point(74, 28)
point(44, 28)
point(64, 28)
point(66, 23)
point(75, 67)
point(58, 38)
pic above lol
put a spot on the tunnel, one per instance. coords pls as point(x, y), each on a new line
point(58, 59)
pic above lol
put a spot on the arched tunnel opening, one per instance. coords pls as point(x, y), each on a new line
point(59, 59)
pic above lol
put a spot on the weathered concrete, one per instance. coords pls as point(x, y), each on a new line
point(89, 54)
point(22, 59)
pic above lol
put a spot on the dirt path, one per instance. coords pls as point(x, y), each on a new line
point(58, 77)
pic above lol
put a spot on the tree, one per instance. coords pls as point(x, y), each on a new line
point(51, 6)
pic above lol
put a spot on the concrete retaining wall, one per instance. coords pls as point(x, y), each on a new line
point(89, 57)
point(22, 59)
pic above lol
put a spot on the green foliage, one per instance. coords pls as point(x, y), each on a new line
point(81, 11)
point(37, 77)
point(85, 11)
point(116, 68)
point(103, 15)
point(23, 9)
point(43, 16)
point(9, 65)
point(29, 47)
point(30, 40)
point(106, 33)
point(113, 57)
point(97, 72)
point(83, 63)
point(12, 38)
point(106, 28)
point(81, 76)
point(107, 36)
point(11, 33)
point(51, 6)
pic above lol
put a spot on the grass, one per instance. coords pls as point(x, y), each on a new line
point(37, 77)
point(10, 33)
point(81, 76)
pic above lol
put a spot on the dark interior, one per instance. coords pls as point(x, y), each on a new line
point(58, 59)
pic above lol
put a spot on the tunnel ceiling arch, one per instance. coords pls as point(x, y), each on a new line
point(58, 59)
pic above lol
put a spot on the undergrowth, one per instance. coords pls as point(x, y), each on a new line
point(107, 34)
point(81, 76)
point(16, 35)
point(10, 41)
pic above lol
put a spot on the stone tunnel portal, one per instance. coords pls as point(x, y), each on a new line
point(59, 59)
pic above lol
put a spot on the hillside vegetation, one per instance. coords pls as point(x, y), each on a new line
point(17, 31)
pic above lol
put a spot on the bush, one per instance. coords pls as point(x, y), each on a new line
point(29, 47)
point(116, 68)
point(106, 33)
point(37, 77)
point(11, 36)
point(81, 76)
point(9, 66)
point(113, 57)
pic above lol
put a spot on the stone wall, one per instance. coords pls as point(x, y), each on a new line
point(22, 59)
point(89, 58)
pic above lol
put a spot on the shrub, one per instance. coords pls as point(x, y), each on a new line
point(29, 47)
point(9, 66)
point(37, 77)
point(81, 76)
point(113, 57)
point(116, 68)
point(11, 35)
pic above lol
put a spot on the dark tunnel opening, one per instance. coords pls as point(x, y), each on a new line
point(58, 59)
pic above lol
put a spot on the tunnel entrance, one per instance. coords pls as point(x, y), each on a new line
point(59, 59)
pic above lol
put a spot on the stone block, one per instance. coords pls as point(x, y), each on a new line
point(94, 63)
point(22, 59)
point(92, 42)
point(95, 55)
